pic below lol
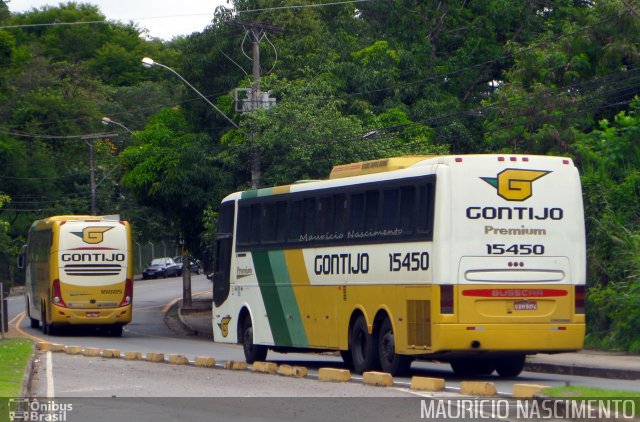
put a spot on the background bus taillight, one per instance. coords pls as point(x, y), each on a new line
point(56, 294)
point(579, 297)
point(446, 299)
point(128, 293)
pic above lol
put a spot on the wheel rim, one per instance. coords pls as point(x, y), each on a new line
point(387, 347)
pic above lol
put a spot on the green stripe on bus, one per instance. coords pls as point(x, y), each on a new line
point(253, 193)
point(288, 299)
point(272, 303)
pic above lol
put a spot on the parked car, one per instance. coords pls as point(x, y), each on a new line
point(194, 265)
point(161, 267)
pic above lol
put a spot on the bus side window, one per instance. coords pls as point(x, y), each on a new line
point(295, 221)
point(371, 210)
point(390, 209)
point(325, 221)
point(269, 217)
point(310, 216)
point(339, 212)
point(256, 218)
point(425, 209)
point(356, 212)
point(243, 229)
point(407, 209)
point(281, 221)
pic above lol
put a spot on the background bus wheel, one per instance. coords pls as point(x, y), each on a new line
point(347, 358)
point(46, 328)
point(34, 323)
point(115, 331)
point(510, 366)
point(252, 352)
point(389, 361)
point(472, 367)
point(364, 347)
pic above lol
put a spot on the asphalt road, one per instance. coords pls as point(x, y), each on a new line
point(149, 333)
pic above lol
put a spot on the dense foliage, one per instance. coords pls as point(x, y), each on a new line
point(353, 81)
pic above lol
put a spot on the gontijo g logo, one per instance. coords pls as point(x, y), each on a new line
point(515, 184)
point(92, 235)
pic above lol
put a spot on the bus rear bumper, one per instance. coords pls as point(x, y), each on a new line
point(526, 338)
point(108, 316)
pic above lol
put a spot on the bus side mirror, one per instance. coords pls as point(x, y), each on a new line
point(22, 257)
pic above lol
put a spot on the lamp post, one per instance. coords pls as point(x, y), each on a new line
point(107, 121)
point(149, 63)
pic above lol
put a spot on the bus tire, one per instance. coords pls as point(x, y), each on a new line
point(473, 367)
point(33, 323)
point(46, 328)
point(510, 366)
point(347, 358)
point(364, 347)
point(252, 352)
point(391, 362)
point(115, 330)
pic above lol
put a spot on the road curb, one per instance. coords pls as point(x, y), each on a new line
point(584, 371)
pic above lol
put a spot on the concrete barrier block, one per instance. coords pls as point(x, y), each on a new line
point(73, 350)
point(205, 361)
point(265, 367)
point(91, 351)
point(381, 379)
point(526, 391)
point(133, 356)
point(178, 359)
point(111, 353)
point(235, 364)
point(155, 357)
point(293, 371)
point(478, 388)
point(427, 384)
point(334, 375)
point(56, 347)
point(44, 346)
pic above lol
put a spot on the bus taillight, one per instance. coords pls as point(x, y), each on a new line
point(56, 294)
point(579, 299)
point(128, 293)
point(446, 299)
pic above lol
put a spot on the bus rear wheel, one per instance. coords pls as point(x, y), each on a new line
point(47, 328)
point(364, 347)
point(390, 361)
point(510, 366)
point(473, 367)
point(252, 352)
point(33, 323)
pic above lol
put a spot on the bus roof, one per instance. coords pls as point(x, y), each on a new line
point(60, 218)
point(340, 173)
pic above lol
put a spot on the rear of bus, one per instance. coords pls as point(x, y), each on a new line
point(94, 283)
point(512, 244)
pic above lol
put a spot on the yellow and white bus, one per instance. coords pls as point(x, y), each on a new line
point(79, 270)
point(478, 260)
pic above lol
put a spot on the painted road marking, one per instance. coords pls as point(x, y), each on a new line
point(50, 390)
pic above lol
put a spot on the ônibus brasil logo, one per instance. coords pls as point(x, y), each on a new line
point(92, 235)
point(515, 184)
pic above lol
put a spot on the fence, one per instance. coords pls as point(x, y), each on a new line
point(144, 252)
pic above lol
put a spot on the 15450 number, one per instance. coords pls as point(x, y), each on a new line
point(501, 249)
point(410, 261)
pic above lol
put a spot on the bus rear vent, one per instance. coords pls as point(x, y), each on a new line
point(419, 323)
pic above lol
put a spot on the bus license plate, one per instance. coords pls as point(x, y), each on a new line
point(525, 306)
point(93, 314)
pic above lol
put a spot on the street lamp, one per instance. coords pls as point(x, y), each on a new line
point(149, 63)
point(107, 121)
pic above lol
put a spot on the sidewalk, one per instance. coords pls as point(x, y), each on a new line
point(197, 321)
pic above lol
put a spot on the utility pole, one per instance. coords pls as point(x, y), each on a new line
point(256, 99)
point(92, 165)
